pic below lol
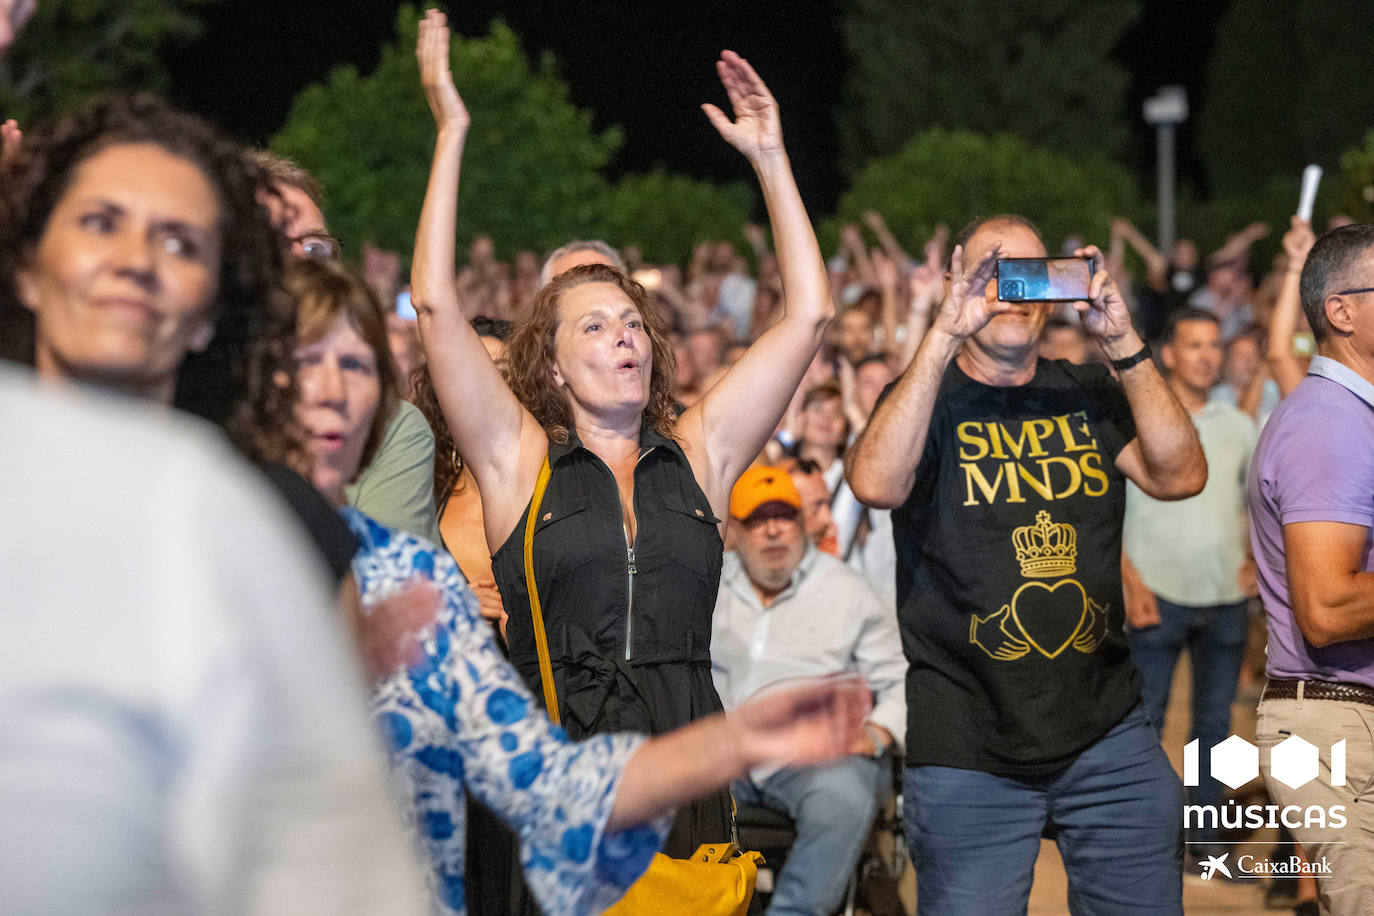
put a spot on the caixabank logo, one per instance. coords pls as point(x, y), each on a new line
point(1234, 762)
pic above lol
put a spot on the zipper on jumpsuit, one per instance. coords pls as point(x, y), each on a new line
point(630, 571)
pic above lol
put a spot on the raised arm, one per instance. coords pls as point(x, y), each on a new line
point(1165, 458)
point(1283, 322)
point(727, 428)
point(1156, 264)
point(795, 726)
point(891, 247)
point(496, 436)
point(881, 466)
point(1238, 245)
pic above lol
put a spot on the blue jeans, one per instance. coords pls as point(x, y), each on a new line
point(1215, 637)
point(1115, 813)
point(833, 807)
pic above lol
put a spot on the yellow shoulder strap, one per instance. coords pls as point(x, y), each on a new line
point(541, 641)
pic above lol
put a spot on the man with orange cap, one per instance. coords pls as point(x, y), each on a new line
point(787, 610)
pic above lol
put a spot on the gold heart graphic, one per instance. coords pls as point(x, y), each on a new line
point(1048, 619)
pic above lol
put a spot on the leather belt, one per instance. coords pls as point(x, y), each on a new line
point(1319, 690)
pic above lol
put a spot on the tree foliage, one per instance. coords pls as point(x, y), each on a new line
point(665, 214)
point(1041, 69)
point(72, 49)
point(1355, 193)
point(1289, 84)
point(955, 176)
point(531, 170)
point(533, 167)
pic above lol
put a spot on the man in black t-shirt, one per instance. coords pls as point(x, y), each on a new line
point(1007, 477)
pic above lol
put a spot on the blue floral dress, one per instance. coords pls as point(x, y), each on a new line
point(462, 718)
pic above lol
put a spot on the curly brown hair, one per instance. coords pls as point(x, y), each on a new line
point(532, 352)
point(322, 290)
point(244, 380)
point(448, 464)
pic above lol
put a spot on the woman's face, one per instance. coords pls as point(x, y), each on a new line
point(340, 392)
point(603, 355)
point(823, 423)
point(123, 279)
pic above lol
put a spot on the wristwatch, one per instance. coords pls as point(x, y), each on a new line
point(879, 743)
point(1139, 356)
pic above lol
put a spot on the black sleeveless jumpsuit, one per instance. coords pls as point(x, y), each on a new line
point(628, 625)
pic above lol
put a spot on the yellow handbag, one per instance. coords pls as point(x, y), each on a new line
point(718, 880)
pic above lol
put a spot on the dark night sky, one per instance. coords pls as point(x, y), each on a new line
point(644, 66)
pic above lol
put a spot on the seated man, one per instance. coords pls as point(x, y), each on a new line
point(785, 611)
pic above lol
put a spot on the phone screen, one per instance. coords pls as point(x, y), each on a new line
point(404, 307)
point(1043, 279)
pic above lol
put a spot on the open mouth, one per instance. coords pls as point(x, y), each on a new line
point(627, 364)
point(329, 441)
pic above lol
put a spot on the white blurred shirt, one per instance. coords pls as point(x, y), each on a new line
point(181, 727)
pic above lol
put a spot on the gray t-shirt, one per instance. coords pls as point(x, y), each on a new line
point(1190, 551)
point(397, 486)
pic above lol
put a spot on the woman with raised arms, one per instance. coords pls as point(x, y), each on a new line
point(627, 542)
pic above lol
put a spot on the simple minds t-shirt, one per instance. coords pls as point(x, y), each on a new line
point(1009, 573)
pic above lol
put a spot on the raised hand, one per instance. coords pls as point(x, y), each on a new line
point(1297, 242)
point(1106, 316)
point(756, 130)
point(885, 270)
point(968, 307)
point(432, 51)
point(990, 634)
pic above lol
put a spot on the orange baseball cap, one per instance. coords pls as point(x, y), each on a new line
point(763, 484)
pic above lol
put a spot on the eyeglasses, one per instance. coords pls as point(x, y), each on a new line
point(1352, 292)
point(318, 245)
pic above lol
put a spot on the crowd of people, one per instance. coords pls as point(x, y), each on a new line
point(609, 546)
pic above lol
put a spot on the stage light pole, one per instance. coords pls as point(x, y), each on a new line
point(1166, 109)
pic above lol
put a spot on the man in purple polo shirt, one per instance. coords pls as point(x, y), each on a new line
point(1311, 494)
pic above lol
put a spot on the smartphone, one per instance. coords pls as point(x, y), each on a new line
point(1044, 279)
point(404, 307)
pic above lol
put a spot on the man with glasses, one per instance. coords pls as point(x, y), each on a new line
point(1311, 494)
point(294, 203)
point(786, 610)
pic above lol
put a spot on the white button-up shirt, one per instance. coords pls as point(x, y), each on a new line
point(828, 619)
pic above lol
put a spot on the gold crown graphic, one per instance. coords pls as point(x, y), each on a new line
point(1046, 549)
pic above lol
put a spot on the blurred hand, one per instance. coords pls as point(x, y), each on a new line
point(387, 631)
point(11, 138)
point(1256, 230)
point(1105, 316)
point(1121, 226)
point(873, 220)
point(489, 604)
point(801, 725)
point(865, 746)
point(885, 270)
point(755, 236)
point(1248, 578)
point(756, 130)
point(432, 50)
point(851, 237)
point(967, 309)
point(1142, 608)
point(925, 282)
point(1297, 242)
